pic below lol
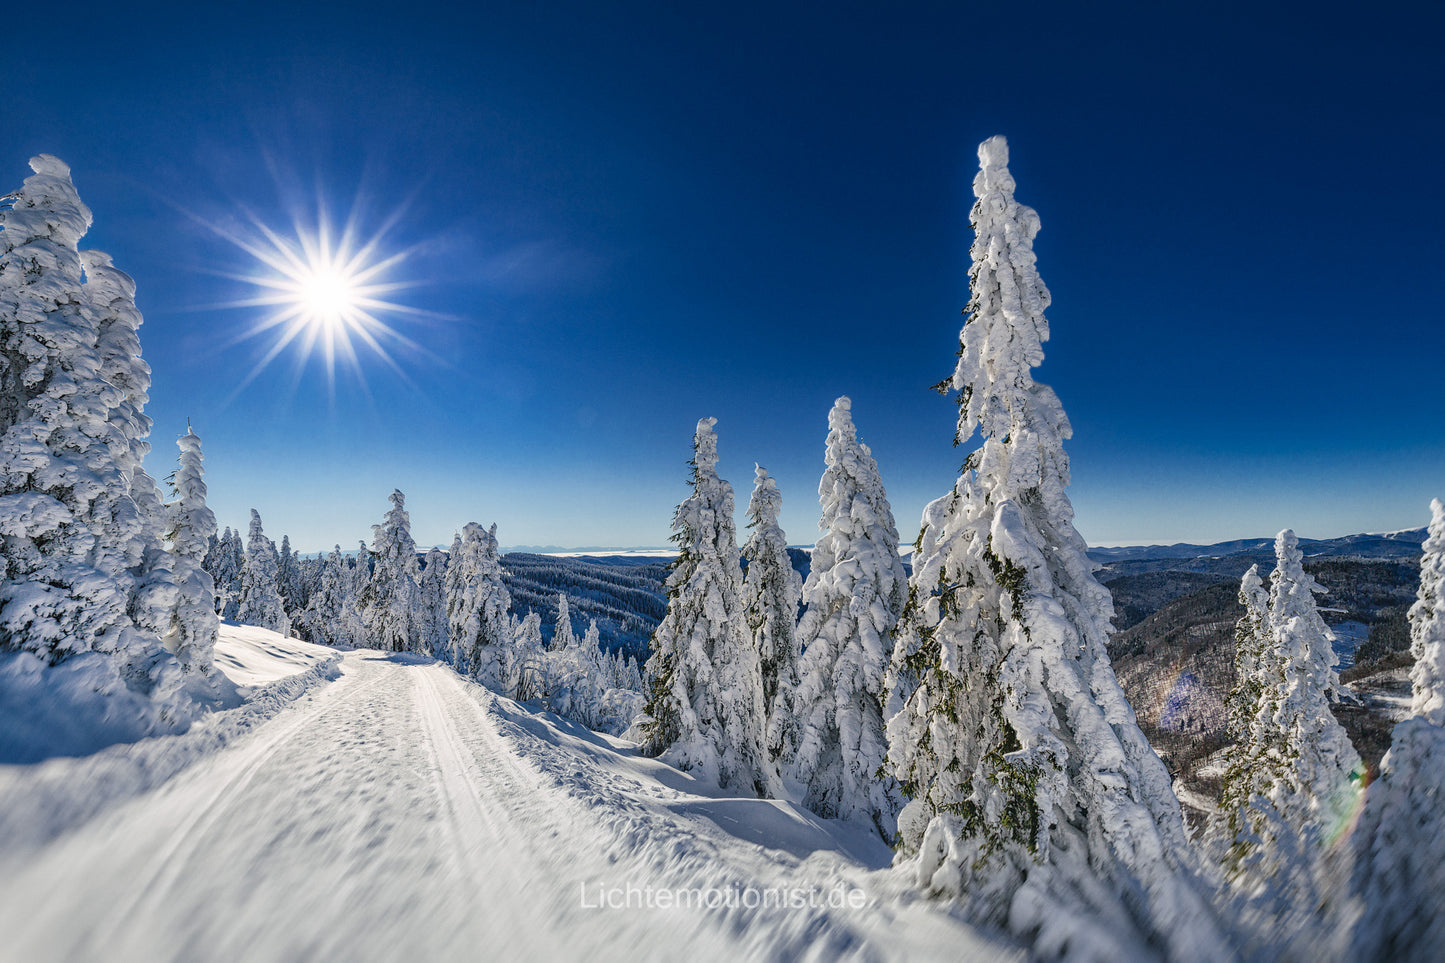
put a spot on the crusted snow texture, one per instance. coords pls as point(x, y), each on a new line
point(1427, 625)
point(705, 702)
point(260, 598)
point(390, 599)
point(772, 589)
point(480, 639)
point(193, 627)
point(1034, 795)
point(1293, 781)
point(853, 597)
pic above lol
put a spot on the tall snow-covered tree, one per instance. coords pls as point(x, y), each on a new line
point(477, 606)
point(853, 597)
point(1294, 780)
point(1032, 790)
point(225, 561)
point(771, 591)
point(288, 578)
point(527, 678)
point(322, 620)
point(260, 598)
point(562, 637)
point(432, 606)
point(706, 694)
point(193, 626)
point(70, 531)
point(1253, 652)
point(1399, 842)
point(391, 596)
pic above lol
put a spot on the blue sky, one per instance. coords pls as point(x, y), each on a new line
point(625, 217)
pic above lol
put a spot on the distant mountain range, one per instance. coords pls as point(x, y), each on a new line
point(1404, 544)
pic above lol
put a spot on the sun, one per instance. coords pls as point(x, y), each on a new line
point(328, 294)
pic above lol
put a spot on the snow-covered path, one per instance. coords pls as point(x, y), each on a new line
point(402, 812)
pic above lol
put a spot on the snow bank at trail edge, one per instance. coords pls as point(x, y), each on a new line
point(49, 714)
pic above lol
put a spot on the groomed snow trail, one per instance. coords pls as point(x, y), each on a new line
point(401, 812)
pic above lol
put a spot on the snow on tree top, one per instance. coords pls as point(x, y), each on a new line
point(706, 445)
point(49, 164)
point(993, 152)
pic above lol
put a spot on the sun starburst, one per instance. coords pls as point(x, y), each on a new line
point(327, 294)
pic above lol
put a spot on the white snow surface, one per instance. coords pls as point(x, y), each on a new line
point(374, 805)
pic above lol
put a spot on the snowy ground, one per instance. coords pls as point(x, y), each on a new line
point(1388, 693)
point(378, 806)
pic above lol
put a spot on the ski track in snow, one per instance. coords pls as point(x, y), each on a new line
point(401, 811)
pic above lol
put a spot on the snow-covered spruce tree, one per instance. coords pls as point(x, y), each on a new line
point(852, 599)
point(705, 702)
point(193, 625)
point(390, 598)
point(322, 620)
point(1034, 794)
point(260, 598)
point(432, 606)
point(562, 637)
point(477, 606)
point(1254, 652)
point(1294, 781)
point(224, 561)
point(1399, 842)
point(287, 578)
point(134, 519)
point(528, 677)
point(771, 590)
point(66, 586)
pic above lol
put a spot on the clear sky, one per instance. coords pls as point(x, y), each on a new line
point(624, 217)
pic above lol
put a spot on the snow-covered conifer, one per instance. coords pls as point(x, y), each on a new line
point(391, 597)
point(1399, 843)
point(65, 516)
point(853, 597)
point(1427, 625)
point(193, 627)
point(477, 605)
point(1033, 791)
point(706, 695)
point(562, 637)
point(260, 602)
point(1294, 778)
point(771, 590)
point(1253, 651)
point(432, 606)
point(528, 677)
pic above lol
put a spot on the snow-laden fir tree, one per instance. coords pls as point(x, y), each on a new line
point(1253, 652)
point(224, 562)
point(135, 517)
point(1033, 793)
point(852, 599)
point(527, 678)
point(705, 702)
point(260, 598)
point(432, 629)
point(322, 621)
point(579, 684)
point(1294, 781)
point(477, 606)
point(193, 627)
point(288, 578)
point(390, 599)
point(66, 519)
point(562, 637)
point(1399, 842)
point(771, 591)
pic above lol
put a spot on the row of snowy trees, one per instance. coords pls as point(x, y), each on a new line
point(453, 606)
point(98, 565)
point(979, 689)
